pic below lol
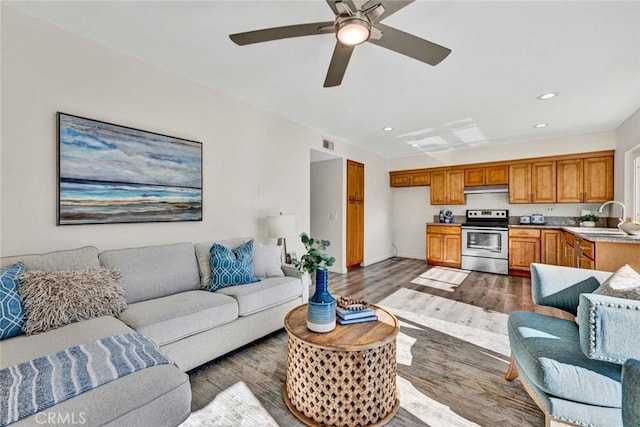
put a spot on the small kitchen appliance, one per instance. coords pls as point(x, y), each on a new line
point(485, 241)
point(525, 220)
point(446, 216)
point(538, 219)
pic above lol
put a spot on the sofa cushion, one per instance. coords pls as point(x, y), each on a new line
point(26, 347)
point(625, 283)
point(154, 271)
point(261, 295)
point(548, 350)
point(57, 298)
point(12, 315)
point(203, 254)
point(174, 317)
point(60, 260)
point(230, 267)
point(267, 261)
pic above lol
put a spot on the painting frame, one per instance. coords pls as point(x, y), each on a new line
point(113, 174)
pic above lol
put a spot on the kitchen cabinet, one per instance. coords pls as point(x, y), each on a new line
point(490, 175)
point(568, 255)
point(355, 213)
point(444, 243)
point(532, 182)
point(598, 179)
point(550, 246)
point(447, 187)
point(416, 178)
point(543, 182)
point(587, 180)
point(524, 248)
point(520, 183)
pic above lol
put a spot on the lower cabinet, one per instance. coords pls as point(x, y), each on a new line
point(550, 246)
point(444, 244)
point(524, 248)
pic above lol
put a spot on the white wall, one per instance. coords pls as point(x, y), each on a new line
point(412, 209)
point(327, 207)
point(255, 164)
point(628, 138)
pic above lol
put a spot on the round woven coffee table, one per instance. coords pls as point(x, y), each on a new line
point(345, 377)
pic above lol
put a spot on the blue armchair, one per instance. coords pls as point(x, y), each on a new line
point(573, 370)
point(631, 393)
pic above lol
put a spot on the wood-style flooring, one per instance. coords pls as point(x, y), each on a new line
point(451, 376)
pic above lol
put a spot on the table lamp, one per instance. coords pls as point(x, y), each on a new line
point(279, 227)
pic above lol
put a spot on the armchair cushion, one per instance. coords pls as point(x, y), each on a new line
point(547, 352)
point(631, 393)
point(560, 287)
point(609, 328)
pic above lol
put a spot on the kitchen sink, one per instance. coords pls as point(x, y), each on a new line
point(596, 231)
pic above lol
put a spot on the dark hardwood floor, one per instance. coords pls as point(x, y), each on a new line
point(449, 370)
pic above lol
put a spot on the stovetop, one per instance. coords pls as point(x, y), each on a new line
point(487, 218)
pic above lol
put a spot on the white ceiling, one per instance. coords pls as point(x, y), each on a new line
point(505, 53)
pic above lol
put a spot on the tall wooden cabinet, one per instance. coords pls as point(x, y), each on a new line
point(355, 213)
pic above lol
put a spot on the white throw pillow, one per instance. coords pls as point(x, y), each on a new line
point(267, 261)
point(625, 283)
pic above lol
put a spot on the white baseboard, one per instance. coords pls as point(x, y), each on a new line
point(413, 256)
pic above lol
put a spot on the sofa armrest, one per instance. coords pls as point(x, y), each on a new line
point(609, 328)
point(560, 287)
point(291, 271)
point(631, 393)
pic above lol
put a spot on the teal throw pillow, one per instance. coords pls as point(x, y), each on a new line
point(231, 267)
point(12, 315)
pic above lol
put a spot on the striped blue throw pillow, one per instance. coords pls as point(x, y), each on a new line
point(231, 267)
point(11, 309)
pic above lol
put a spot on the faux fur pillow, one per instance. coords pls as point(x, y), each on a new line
point(56, 298)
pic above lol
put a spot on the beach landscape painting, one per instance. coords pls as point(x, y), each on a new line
point(115, 174)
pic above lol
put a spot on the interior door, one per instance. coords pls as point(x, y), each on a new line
point(355, 213)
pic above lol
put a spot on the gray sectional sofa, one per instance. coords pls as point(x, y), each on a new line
point(166, 303)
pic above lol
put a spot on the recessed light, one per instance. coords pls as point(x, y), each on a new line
point(387, 129)
point(415, 145)
point(547, 95)
point(541, 125)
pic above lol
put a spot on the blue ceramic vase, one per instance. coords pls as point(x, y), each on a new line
point(321, 311)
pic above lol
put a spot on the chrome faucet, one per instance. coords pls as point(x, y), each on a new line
point(624, 210)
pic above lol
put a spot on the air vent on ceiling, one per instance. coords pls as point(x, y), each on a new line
point(327, 144)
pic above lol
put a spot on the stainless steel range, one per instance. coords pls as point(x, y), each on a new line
point(485, 241)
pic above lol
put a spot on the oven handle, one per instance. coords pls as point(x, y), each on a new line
point(485, 228)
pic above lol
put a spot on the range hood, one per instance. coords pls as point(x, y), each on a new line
point(486, 189)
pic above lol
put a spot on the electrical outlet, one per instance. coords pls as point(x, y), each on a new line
point(549, 209)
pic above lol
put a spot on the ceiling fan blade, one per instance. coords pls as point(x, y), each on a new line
point(390, 6)
point(278, 33)
point(338, 65)
point(410, 45)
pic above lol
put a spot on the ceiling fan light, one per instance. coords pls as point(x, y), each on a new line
point(353, 31)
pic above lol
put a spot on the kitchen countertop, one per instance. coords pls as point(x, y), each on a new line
point(443, 223)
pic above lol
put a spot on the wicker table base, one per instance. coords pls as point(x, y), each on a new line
point(343, 378)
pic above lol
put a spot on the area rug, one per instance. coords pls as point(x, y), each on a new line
point(235, 406)
point(444, 278)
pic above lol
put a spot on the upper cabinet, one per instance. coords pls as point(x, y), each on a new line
point(409, 178)
point(588, 180)
point(490, 175)
point(598, 179)
point(571, 178)
point(543, 182)
point(355, 181)
point(447, 187)
point(520, 183)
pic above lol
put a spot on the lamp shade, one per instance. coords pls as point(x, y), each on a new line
point(281, 226)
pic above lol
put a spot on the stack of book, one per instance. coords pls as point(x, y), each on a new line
point(349, 317)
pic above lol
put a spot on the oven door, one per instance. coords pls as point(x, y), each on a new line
point(486, 242)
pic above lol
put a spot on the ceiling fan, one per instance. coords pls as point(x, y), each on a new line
point(354, 25)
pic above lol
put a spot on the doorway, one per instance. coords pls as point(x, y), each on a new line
point(355, 213)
